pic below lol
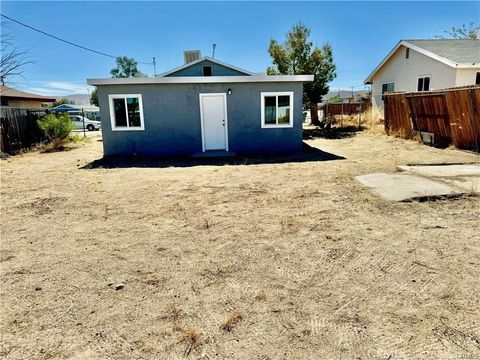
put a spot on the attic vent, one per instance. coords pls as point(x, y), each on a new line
point(191, 55)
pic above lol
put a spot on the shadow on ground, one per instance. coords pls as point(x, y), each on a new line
point(309, 154)
point(332, 133)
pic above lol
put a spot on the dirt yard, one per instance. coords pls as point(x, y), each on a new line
point(262, 258)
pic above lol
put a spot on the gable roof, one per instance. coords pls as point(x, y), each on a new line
point(458, 54)
point(246, 72)
point(17, 94)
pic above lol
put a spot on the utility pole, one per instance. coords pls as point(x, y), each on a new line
point(154, 67)
point(213, 51)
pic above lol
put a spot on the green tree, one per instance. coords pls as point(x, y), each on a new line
point(126, 67)
point(337, 99)
point(298, 56)
point(94, 97)
point(464, 32)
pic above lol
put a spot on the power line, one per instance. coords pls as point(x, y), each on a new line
point(65, 41)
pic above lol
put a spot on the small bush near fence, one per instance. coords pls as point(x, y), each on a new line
point(57, 128)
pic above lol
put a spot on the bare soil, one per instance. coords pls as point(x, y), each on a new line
point(259, 258)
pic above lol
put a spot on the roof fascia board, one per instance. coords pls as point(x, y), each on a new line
point(201, 79)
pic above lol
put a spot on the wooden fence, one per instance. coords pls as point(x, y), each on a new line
point(345, 108)
point(452, 116)
point(19, 129)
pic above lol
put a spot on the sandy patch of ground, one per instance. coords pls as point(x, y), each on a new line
point(270, 260)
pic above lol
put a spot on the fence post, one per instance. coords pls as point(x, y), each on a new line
point(360, 117)
point(475, 119)
point(341, 123)
point(83, 122)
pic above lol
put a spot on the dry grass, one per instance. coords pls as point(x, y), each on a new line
point(191, 337)
point(348, 275)
point(232, 319)
point(369, 120)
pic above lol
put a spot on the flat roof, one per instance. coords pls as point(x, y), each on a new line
point(201, 80)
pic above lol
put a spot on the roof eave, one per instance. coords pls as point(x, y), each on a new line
point(201, 80)
point(369, 79)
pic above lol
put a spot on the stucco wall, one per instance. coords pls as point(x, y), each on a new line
point(466, 76)
point(24, 104)
point(173, 126)
point(217, 70)
point(405, 73)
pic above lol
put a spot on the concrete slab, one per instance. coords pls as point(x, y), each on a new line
point(443, 170)
point(470, 184)
point(403, 187)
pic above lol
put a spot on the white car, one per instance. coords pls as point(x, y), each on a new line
point(90, 125)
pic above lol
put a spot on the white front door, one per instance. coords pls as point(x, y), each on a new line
point(213, 112)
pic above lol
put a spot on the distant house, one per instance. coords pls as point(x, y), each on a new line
point(422, 65)
point(20, 99)
point(204, 107)
point(89, 111)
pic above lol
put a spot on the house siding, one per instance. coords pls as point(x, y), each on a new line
point(466, 77)
point(173, 126)
point(197, 70)
point(405, 72)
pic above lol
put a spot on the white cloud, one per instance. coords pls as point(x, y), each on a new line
point(57, 88)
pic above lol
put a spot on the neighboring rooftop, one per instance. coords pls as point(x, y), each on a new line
point(11, 93)
point(458, 51)
point(459, 54)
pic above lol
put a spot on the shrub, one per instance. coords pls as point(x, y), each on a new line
point(57, 128)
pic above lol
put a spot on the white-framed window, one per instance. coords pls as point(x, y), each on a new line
point(423, 83)
point(277, 109)
point(126, 112)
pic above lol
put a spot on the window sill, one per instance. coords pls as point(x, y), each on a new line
point(128, 129)
point(276, 126)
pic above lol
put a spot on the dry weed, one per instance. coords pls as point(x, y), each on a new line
point(191, 337)
point(261, 296)
point(232, 319)
point(172, 311)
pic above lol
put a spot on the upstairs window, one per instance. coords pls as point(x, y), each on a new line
point(277, 109)
point(407, 53)
point(207, 71)
point(423, 83)
point(126, 112)
point(477, 80)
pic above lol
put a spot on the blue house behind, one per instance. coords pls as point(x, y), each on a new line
point(204, 107)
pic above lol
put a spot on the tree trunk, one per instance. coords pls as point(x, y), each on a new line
point(314, 114)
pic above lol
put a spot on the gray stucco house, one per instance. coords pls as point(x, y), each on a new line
point(205, 107)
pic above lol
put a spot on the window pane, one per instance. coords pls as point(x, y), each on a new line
point(207, 71)
point(270, 110)
point(426, 84)
point(420, 84)
point(133, 106)
point(477, 80)
point(284, 109)
point(119, 110)
point(391, 87)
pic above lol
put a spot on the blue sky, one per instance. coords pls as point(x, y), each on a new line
point(361, 34)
